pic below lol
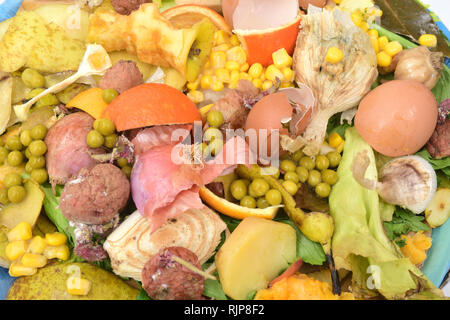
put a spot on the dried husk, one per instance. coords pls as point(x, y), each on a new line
point(336, 87)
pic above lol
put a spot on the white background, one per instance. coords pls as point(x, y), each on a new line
point(441, 8)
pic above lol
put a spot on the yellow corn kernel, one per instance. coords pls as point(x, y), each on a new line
point(337, 1)
point(237, 54)
point(287, 85)
point(60, 252)
point(334, 140)
point(334, 55)
point(217, 85)
point(78, 286)
point(33, 260)
point(222, 47)
point(193, 85)
point(364, 26)
point(206, 82)
point(15, 249)
point(204, 110)
point(373, 32)
point(223, 75)
point(340, 147)
point(267, 84)
point(378, 13)
point(55, 239)
point(208, 72)
point(234, 76)
point(288, 74)
point(356, 18)
point(255, 70)
point(37, 245)
point(244, 76)
point(22, 231)
point(218, 59)
point(392, 48)
point(234, 40)
point(281, 59)
point(233, 84)
point(383, 59)
point(18, 270)
point(382, 42)
point(244, 67)
point(220, 36)
point(374, 41)
point(428, 40)
point(232, 65)
point(273, 72)
point(257, 83)
point(196, 96)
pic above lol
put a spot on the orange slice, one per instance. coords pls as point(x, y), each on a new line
point(185, 16)
point(260, 44)
point(234, 210)
point(90, 101)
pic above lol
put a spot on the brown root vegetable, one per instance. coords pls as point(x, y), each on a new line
point(95, 196)
point(165, 279)
point(122, 76)
point(68, 151)
point(126, 7)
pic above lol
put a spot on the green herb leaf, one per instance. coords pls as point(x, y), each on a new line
point(441, 90)
point(142, 295)
point(251, 295)
point(213, 289)
point(403, 222)
point(437, 164)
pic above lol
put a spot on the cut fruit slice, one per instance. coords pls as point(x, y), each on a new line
point(151, 104)
point(438, 210)
point(90, 101)
point(234, 210)
point(260, 44)
point(185, 16)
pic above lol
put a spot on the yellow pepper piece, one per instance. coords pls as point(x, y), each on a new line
point(33, 260)
point(78, 286)
point(334, 55)
point(281, 59)
point(18, 270)
point(428, 40)
point(55, 239)
point(20, 232)
point(334, 140)
point(383, 59)
point(37, 245)
point(392, 48)
point(15, 249)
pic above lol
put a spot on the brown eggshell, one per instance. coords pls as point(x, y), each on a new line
point(397, 118)
point(317, 3)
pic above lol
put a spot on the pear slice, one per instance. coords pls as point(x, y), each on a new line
point(438, 210)
point(200, 49)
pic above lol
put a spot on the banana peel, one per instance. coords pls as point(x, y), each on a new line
point(49, 283)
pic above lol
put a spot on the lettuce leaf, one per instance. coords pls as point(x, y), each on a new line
point(360, 243)
point(437, 164)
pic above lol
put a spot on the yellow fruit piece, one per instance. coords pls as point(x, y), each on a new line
point(382, 42)
point(33, 260)
point(196, 96)
point(18, 270)
point(15, 249)
point(90, 101)
point(37, 245)
point(255, 70)
point(373, 32)
point(60, 252)
point(334, 140)
point(254, 254)
point(20, 232)
point(55, 239)
point(272, 72)
point(356, 18)
point(334, 55)
point(78, 286)
point(223, 74)
point(438, 210)
point(267, 84)
point(374, 41)
point(206, 82)
point(237, 54)
point(232, 65)
point(244, 67)
point(218, 59)
point(392, 48)
point(281, 59)
point(416, 247)
point(383, 59)
point(428, 40)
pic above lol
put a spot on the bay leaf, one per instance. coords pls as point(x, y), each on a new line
point(410, 19)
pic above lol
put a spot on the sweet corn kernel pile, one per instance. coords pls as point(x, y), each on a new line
point(28, 253)
point(227, 65)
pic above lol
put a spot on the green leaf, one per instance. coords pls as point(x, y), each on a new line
point(143, 295)
point(213, 289)
point(441, 90)
point(403, 222)
point(409, 19)
point(442, 164)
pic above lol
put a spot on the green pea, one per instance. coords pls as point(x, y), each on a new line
point(33, 79)
point(13, 143)
point(37, 162)
point(329, 176)
point(109, 95)
point(12, 179)
point(110, 141)
point(215, 146)
point(248, 202)
point(297, 155)
point(335, 158)
point(106, 127)
point(307, 162)
point(39, 175)
point(33, 93)
point(322, 162)
point(15, 158)
point(314, 178)
point(122, 162)
point(273, 197)
point(47, 100)
point(38, 148)
point(323, 189)
point(16, 194)
point(25, 137)
point(38, 132)
point(95, 139)
point(28, 167)
point(262, 203)
point(214, 118)
point(287, 165)
point(3, 154)
point(238, 189)
point(212, 133)
point(4, 196)
point(302, 174)
point(27, 153)
point(259, 187)
point(292, 176)
point(290, 187)
point(127, 171)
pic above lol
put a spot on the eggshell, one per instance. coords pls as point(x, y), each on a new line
point(397, 118)
point(317, 3)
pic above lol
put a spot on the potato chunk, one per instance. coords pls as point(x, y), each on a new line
point(254, 254)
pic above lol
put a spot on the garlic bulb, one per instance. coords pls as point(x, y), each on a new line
point(419, 64)
point(409, 182)
point(337, 87)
